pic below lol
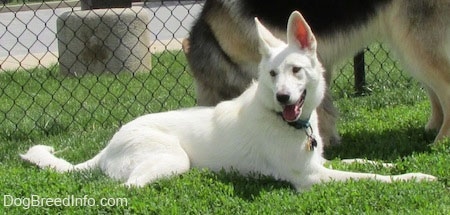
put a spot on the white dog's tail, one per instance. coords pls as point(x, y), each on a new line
point(43, 157)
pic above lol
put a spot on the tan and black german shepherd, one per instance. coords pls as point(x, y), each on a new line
point(222, 48)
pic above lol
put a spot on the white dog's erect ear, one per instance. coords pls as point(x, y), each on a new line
point(266, 39)
point(300, 33)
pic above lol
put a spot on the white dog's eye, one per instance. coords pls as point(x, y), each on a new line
point(273, 73)
point(296, 69)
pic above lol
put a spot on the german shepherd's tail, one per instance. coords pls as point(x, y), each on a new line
point(43, 156)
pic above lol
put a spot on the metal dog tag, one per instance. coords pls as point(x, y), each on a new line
point(311, 143)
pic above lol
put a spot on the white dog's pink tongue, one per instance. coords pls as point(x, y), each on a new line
point(291, 112)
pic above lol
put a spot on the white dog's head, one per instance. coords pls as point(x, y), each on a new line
point(292, 71)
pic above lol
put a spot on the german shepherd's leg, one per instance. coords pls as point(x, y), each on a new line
point(433, 70)
point(435, 76)
point(420, 35)
point(206, 95)
point(440, 83)
point(328, 114)
point(437, 114)
point(440, 79)
point(428, 63)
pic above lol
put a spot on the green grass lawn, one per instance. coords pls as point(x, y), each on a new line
point(78, 115)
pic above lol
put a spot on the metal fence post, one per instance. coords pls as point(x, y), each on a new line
point(360, 73)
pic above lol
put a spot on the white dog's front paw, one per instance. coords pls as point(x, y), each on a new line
point(415, 176)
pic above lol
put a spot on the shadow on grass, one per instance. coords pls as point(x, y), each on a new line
point(250, 188)
point(388, 145)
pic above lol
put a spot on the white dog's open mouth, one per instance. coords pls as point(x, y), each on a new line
point(292, 112)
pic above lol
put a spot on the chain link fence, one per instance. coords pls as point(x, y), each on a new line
point(43, 96)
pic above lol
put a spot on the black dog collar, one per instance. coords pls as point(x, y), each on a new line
point(304, 125)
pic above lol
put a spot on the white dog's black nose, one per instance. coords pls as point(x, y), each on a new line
point(283, 98)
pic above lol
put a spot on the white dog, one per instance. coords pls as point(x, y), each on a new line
point(270, 129)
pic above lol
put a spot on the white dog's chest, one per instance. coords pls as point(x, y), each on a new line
point(269, 154)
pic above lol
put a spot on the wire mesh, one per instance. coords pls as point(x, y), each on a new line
point(36, 98)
